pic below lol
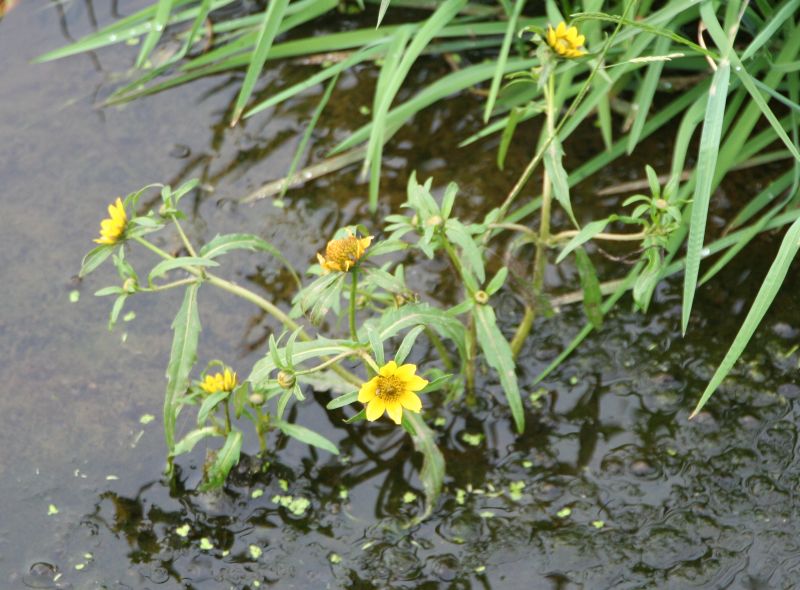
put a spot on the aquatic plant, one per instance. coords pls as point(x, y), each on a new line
point(568, 75)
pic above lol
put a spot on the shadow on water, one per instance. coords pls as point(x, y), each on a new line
point(610, 486)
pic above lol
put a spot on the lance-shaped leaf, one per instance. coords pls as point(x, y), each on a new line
point(306, 435)
point(186, 333)
point(499, 356)
point(432, 473)
point(226, 459)
point(223, 244)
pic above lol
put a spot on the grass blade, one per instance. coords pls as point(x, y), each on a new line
point(646, 92)
point(706, 165)
point(382, 12)
point(502, 58)
point(766, 294)
point(269, 28)
point(163, 10)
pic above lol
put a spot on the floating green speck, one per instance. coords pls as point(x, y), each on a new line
point(598, 524)
point(480, 569)
point(80, 566)
point(146, 418)
point(88, 556)
point(335, 558)
point(183, 531)
point(205, 544)
point(283, 484)
point(74, 296)
point(440, 421)
point(255, 551)
point(409, 497)
point(564, 512)
point(487, 514)
point(129, 317)
point(573, 380)
point(460, 495)
point(52, 509)
point(472, 439)
point(343, 493)
point(527, 464)
point(515, 489)
point(256, 494)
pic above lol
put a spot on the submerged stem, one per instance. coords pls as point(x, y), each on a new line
point(353, 295)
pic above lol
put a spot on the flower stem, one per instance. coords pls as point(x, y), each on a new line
point(184, 239)
point(353, 296)
point(253, 298)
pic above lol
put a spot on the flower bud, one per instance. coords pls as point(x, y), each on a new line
point(256, 398)
point(286, 380)
point(481, 297)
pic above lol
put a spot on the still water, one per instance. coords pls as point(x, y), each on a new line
point(610, 487)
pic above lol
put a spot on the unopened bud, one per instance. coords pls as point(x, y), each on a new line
point(661, 204)
point(481, 297)
point(256, 398)
point(434, 220)
point(129, 286)
point(286, 380)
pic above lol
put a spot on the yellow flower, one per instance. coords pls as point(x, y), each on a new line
point(225, 381)
point(111, 229)
point(566, 42)
point(392, 390)
point(342, 254)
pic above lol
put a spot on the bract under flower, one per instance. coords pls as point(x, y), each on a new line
point(393, 389)
point(113, 228)
point(341, 255)
point(225, 381)
point(565, 41)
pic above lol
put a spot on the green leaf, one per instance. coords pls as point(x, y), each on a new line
point(183, 262)
point(303, 351)
point(497, 281)
point(422, 314)
point(227, 458)
point(222, 244)
point(210, 402)
point(706, 166)
point(376, 344)
point(382, 12)
point(94, 258)
point(159, 22)
point(508, 134)
point(307, 436)
point(188, 442)
point(500, 358)
point(592, 298)
point(473, 257)
point(766, 294)
point(116, 309)
point(646, 92)
point(342, 400)
point(433, 467)
point(588, 231)
point(407, 344)
point(266, 35)
point(186, 328)
point(558, 176)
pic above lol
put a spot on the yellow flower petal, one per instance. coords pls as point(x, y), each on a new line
point(561, 29)
point(388, 369)
point(367, 391)
point(406, 371)
point(411, 401)
point(415, 383)
point(375, 409)
point(395, 411)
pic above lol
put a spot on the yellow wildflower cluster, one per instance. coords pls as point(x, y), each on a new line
point(341, 255)
point(565, 41)
point(392, 390)
point(225, 381)
point(112, 229)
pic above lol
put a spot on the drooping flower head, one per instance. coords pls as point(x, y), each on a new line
point(565, 41)
point(112, 229)
point(341, 255)
point(225, 381)
point(392, 390)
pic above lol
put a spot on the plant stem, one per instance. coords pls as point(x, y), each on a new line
point(253, 298)
point(353, 295)
point(166, 286)
point(184, 239)
point(227, 416)
point(540, 258)
point(565, 235)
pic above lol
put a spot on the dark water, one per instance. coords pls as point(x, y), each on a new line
point(610, 487)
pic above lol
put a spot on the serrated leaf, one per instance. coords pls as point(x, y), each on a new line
point(183, 262)
point(307, 436)
point(227, 458)
point(499, 356)
point(188, 442)
point(186, 332)
point(223, 244)
point(210, 402)
point(94, 258)
point(433, 466)
point(592, 297)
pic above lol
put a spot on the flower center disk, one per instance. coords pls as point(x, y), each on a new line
point(389, 388)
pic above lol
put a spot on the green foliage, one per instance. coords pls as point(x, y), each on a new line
point(631, 51)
